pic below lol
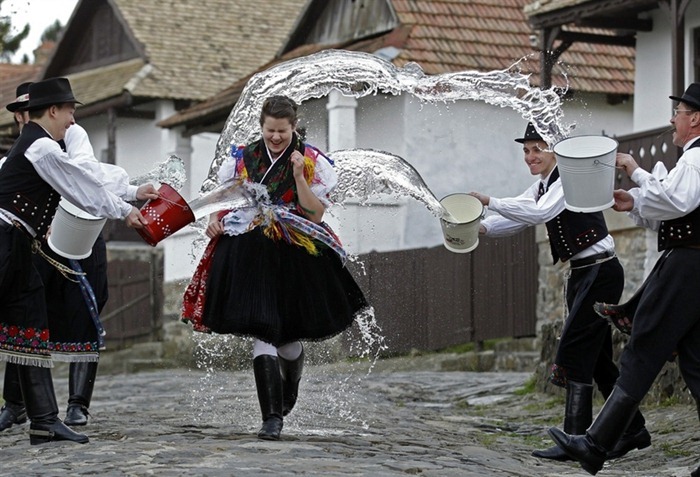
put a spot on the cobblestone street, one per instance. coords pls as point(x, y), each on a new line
point(403, 418)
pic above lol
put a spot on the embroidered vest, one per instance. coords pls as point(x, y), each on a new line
point(572, 232)
point(22, 191)
point(681, 231)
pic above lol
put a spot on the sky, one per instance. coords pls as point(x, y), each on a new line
point(39, 14)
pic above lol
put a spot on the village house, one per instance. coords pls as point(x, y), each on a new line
point(155, 84)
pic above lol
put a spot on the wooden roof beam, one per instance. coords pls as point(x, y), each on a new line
point(572, 37)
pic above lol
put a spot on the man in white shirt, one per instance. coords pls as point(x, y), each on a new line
point(582, 240)
point(34, 176)
point(73, 332)
point(667, 316)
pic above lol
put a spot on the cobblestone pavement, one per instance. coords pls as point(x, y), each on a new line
point(401, 419)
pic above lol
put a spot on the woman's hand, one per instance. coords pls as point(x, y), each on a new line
point(297, 159)
point(215, 227)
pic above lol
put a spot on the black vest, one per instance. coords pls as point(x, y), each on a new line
point(22, 191)
point(681, 231)
point(572, 232)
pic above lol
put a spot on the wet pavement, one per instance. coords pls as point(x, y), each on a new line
point(404, 418)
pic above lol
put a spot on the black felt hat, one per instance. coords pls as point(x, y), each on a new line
point(691, 97)
point(43, 94)
point(531, 134)
point(22, 99)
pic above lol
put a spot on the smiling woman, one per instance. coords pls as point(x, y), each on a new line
point(39, 15)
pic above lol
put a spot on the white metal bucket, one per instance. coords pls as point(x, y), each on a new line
point(587, 171)
point(461, 230)
point(74, 231)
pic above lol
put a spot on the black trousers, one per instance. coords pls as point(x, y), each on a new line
point(585, 349)
point(666, 320)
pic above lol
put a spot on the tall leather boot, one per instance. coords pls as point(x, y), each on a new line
point(268, 382)
point(578, 416)
point(81, 382)
point(291, 375)
point(13, 412)
point(636, 435)
point(591, 450)
point(42, 409)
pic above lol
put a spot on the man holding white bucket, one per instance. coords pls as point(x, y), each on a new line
point(581, 239)
point(666, 319)
point(34, 176)
point(73, 316)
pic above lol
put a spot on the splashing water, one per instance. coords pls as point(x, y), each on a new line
point(171, 172)
point(359, 74)
point(362, 172)
point(229, 195)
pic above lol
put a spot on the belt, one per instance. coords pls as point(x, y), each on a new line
point(591, 259)
point(5, 225)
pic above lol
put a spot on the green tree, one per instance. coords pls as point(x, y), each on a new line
point(52, 32)
point(9, 44)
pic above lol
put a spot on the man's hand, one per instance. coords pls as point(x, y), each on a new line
point(626, 162)
point(135, 220)
point(484, 199)
point(147, 191)
point(624, 202)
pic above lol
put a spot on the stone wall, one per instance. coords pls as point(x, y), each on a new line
point(636, 250)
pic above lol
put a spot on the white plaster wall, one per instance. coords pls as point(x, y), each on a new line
point(652, 107)
point(456, 147)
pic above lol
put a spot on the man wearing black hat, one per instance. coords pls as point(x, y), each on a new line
point(667, 316)
point(36, 173)
point(585, 350)
point(73, 318)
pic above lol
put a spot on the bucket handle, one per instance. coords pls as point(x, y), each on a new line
point(597, 162)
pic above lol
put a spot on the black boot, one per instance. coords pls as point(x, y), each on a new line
point(632, 439)
point(81, 382)
point(40, 400)
point(591, 450)
point(13, 412)
point(291, 375)
point(577, 418)
point(695, 473)
point(268, 382)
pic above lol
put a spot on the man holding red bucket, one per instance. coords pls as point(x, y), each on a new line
point(34, 176)
point(585, 350)
point(666, 311)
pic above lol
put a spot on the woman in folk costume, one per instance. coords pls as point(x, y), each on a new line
point(275, 272)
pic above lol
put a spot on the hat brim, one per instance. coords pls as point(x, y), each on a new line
point(687, 101)
point(36, 107)
point(523, 140)
point(17, 106)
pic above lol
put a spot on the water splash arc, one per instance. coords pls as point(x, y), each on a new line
point(363, 172)
point(358, 74)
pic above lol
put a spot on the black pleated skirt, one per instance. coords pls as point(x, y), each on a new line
point(73, 331)
point(278, 292)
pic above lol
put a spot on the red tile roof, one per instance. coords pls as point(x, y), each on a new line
point(449, 35)
point(455, 35)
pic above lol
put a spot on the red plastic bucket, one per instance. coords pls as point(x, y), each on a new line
point(165, 215)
